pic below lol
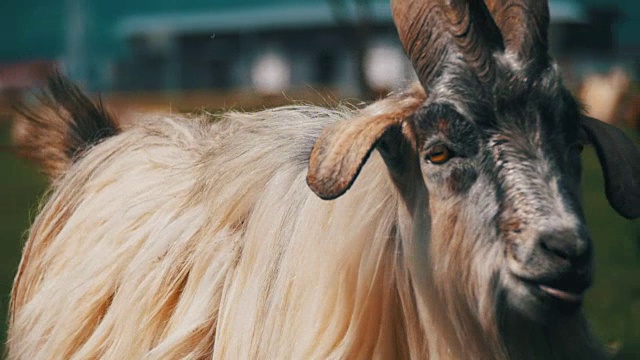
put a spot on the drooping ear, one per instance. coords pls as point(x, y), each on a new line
point(620, 160)
point(344, 147)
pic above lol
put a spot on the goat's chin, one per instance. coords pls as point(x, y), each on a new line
point(533, 303)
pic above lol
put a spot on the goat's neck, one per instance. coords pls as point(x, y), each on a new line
point(570, 338)
point(517, 338)
point(415, 284)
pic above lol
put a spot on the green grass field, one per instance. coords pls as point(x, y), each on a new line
point(20, 188)
point(613, 304)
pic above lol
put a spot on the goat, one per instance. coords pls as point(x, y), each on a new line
point(210, 236)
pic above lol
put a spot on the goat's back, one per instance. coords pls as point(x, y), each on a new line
point(196, 237)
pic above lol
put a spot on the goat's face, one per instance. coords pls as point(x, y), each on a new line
point(503, 178)
point(491, 151)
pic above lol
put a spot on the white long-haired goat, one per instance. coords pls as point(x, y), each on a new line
point(462, 238)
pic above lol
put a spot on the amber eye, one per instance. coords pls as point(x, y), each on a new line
point(438, 154)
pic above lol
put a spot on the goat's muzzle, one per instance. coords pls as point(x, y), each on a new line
point(550, 272)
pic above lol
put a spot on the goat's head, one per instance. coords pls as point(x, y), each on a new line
point(495, 145)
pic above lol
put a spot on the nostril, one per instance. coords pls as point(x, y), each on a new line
point(561, 253)
point(565, 245)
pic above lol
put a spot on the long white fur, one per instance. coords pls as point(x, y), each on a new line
point(186, 238)
point(192, 238)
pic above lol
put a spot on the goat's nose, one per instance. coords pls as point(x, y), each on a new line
point(566, 245)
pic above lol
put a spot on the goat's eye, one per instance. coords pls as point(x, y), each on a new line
point(438, 154)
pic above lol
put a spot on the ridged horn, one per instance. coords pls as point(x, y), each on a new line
point(432, 31)
point(525, 26)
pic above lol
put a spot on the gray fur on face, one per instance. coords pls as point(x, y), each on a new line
point(513, 169)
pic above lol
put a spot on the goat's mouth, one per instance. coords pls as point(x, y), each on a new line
point(545, 301)
point(563, 295)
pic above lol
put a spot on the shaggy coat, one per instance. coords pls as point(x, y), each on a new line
point(455, 229)
point(146, 249)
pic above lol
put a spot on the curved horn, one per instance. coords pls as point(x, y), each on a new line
point(428, 28)
point(524, 25)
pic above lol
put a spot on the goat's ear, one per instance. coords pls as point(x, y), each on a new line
point(343, 148)
point(620, 160)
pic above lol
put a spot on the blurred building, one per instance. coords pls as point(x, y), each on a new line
point(346, 45)
point(269, 47)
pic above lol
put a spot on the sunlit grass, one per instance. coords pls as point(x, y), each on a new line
point(613, 305)
point(20, 187)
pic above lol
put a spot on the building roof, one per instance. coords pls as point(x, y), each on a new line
point(40, 29)
point(282, 14)
point(272, 16)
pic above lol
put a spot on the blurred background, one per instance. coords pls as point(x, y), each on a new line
point(169, 55)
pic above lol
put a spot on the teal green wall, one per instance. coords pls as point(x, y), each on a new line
point(35, 29)
point(629, 29)
point(30, 29)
